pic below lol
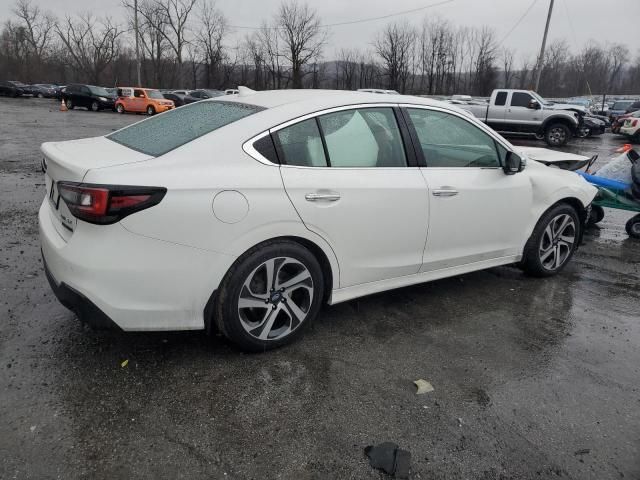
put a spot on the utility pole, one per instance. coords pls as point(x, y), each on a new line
point(135, 27)
point(544, 44)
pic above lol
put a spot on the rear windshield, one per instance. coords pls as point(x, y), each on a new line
point(161, 134)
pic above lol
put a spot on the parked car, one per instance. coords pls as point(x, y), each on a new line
point(631, 127)
point(176, 98)
point(197, 95)
point(250, 212)
point(378, 90)
point(44, 90)
point(12, 88)
point(523, 112)
point(88, 96)
point(182, 92)
point(619, 108)
point(138, 100)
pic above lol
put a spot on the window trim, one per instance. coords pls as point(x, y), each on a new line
point(248, 148)
point(472, 120)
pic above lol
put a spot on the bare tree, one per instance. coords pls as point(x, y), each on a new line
point(270, 43)
point(484, 73)
point(395, 45)
point(302, 37)
point(38, 25)
point(209, 39)
point(507, 66)
point(91, 44)
point(176, 17)
point(347, 65)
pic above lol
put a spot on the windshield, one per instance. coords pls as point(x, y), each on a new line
point(98, 91)
point(161, 134)
point(154, 94)
point(621, 105)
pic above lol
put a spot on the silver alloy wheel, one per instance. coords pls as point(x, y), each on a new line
point(276, 298)
point(150, 110)
point(557, 241)
point(557, 135)
point(95, 106)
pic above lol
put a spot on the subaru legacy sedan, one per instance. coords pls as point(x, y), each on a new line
point(246, 213)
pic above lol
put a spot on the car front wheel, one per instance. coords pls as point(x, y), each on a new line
point(269, 296)
point(553, 242)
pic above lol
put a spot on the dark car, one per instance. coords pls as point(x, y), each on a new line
point(197, 95)
point(88, 96)
point(620, 107)
point(178, 100)
point(45, 90)
point(12, 88)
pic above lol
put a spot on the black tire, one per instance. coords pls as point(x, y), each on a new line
point(95, 106)
point(557, 135)
point(151, 110)
point(69, 104)
point(633, 227)
point(250, 266)
point(120, 108)
point(635, 191)
point(532, 261)
point(596, 216)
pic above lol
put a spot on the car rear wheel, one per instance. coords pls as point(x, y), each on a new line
point(95, 106)
point(269, 296)
point(120, 108)
point(151, 110)
point(69, 104)
point(553, 242)
point(557, 135)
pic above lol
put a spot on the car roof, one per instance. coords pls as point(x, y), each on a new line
point(322, 99)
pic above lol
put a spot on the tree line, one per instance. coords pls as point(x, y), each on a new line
point(188, 44)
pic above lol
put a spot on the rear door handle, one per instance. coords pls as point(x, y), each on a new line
point(322, 197)
point(444, 192)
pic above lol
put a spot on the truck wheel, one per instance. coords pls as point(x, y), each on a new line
point(557, 135)
point(633, 227)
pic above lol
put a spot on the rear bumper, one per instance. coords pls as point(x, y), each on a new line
point(86, 311)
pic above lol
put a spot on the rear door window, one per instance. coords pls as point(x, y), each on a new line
point(161, 134)
point(501, 99)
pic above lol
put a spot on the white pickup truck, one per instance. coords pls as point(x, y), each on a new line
point(523, 112)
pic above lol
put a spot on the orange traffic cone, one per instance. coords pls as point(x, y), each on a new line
point(624, 148)
point(63, 106)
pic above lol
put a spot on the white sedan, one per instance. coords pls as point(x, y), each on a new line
point(246, 213)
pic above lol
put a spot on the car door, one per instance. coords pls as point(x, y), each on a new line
point(349, 176)
point(497, 111)
point(477, 212)
point(520, 115)
point(84, 96)
point(138, 101)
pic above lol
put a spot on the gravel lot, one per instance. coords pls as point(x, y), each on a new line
point(533, 378)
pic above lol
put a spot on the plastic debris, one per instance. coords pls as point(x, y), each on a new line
point(423, 386)
point(390, 459)
point(124, 364)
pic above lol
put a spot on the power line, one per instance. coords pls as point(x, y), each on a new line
point(518, 22)
point(363, 20)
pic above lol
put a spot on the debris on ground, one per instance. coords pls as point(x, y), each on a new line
point(423, 386)
point(582, 451)
point(124, 364)
point(390, 459)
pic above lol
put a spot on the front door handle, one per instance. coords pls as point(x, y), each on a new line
point(322, 197)
point(444, 192)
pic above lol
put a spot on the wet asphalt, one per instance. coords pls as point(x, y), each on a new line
point(533, 378)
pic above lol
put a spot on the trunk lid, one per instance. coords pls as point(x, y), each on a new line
point(70, 161)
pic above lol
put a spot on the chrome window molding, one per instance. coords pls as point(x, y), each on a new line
point(253, 153)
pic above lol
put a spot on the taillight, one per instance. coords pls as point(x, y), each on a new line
point(634, 123)
point(106, 204)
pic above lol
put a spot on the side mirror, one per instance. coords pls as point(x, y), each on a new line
point(512, 164)
point(534, 105)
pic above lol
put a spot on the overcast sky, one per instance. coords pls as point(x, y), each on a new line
point(577, 21)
